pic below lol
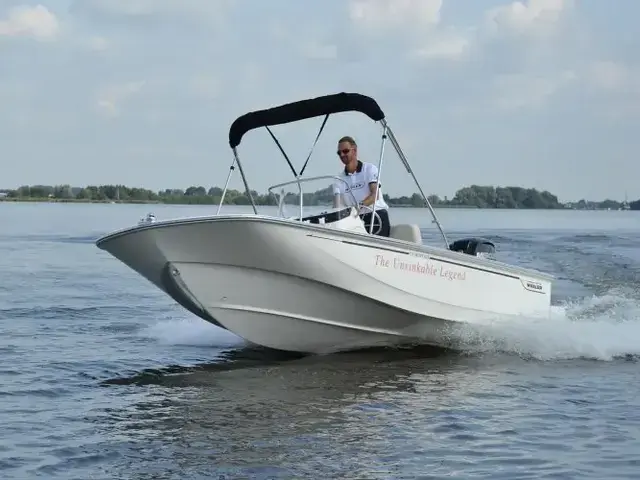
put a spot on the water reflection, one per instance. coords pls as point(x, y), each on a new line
point(316, 417)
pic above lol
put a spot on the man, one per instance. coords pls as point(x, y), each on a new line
point(362, 179)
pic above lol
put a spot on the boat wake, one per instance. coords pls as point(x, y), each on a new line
point(602, 328)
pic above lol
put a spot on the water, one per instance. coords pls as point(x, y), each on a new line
point(104, 377)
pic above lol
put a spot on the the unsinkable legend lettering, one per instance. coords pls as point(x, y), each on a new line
point(423, 268)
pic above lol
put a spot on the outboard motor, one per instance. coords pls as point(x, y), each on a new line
point(478, 247)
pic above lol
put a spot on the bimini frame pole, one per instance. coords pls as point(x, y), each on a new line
point(244, 180)
point(224, 191)
point(403, 158)
point(384, 140)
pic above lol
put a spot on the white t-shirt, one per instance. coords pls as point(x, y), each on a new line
point(357, 184)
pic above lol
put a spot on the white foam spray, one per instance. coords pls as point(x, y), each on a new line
point(600, 327)
point(191, 332)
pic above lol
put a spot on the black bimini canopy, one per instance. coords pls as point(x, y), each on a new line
point(313, 107)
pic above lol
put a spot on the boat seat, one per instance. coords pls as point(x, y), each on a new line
point(408, 232)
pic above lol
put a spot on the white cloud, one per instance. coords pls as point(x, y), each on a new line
point(319, 51)
point(98, 43)
point(521, 91)
point(457, 79)
point(24, 20)
point(110, 98)
point(530, 17)
point(615, 77)
point(377, 14)
point(129, 7)
point(206, 86)
point(444, 46)
point(618, 85)
point(418, 21)
point(202, 10)
point(426, 35)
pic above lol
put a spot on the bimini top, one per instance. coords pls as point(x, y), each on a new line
point(300, 110)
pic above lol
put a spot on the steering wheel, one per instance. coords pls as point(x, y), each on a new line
point(377, 221)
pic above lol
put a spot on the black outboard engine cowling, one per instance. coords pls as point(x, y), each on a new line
point(478, 247)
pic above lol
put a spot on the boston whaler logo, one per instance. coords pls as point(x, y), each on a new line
point(420, 267)
point(534, 286)
point(355, 186)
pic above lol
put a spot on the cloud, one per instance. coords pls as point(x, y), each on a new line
point(617, 86)
point(491, 91)
point(615, 77)
point(520, 91)
point(128, 7)
point(319, 51)
point(98, 43)
point(418, 22)
point(26, 21)
point(447, 45)
point(532, 17)
point(383, 14)
point(428, 37)
point(109, 99)
point(149, 10)
point(205, 86)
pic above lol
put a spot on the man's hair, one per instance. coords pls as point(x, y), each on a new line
point(349, 139)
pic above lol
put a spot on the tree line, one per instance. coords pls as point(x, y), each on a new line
point(477, 196)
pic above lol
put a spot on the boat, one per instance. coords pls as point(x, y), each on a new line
point(149, 218)
point(321, 283)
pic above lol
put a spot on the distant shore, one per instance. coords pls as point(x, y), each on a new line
point(160, 202)
point(474, 196)
point(74, 200)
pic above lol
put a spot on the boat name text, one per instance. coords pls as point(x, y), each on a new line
point(418, 267)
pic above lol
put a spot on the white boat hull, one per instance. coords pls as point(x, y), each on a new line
point(315, 289)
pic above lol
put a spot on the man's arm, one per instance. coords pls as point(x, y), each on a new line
point(372, 180)
point(370, 199)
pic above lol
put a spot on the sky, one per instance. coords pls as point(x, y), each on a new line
point(535, 93)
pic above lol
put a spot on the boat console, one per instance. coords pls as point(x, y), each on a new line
point(328, 217)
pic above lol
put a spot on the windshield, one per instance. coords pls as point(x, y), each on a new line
point(311, 196)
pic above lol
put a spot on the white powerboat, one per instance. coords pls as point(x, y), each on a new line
point(320, 283)
point(150, 218)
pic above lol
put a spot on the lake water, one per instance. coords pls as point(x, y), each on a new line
point(102, 376)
